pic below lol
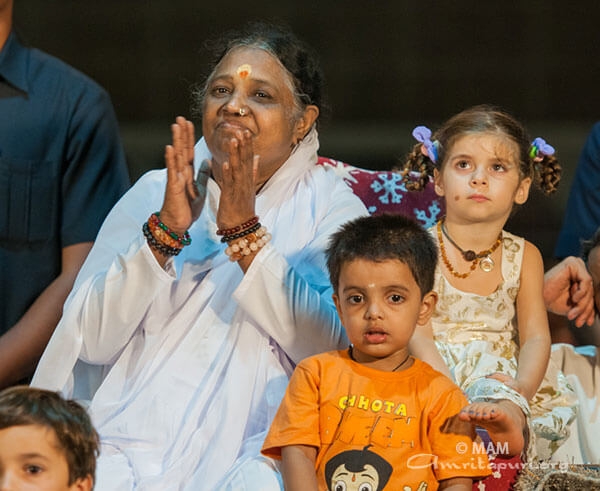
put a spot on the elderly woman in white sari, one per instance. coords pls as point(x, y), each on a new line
point(207, 282)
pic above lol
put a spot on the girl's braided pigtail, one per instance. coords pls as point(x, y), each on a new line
point(421, 162)
point(417, 169)
point(547, 168)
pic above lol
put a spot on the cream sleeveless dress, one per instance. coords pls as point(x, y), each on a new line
point(477, 336)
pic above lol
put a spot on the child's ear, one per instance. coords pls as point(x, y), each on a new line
point(83, 484)
point(427, 307)
point(523, 191)
point(437, 181)
point(336, 301)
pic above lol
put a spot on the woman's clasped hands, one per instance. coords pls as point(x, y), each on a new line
point(185, 194)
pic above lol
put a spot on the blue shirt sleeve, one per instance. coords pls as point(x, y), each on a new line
point(582, 216)
point(95, 174)
point(62, 168)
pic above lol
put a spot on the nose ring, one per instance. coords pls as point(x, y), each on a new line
point(242, 111)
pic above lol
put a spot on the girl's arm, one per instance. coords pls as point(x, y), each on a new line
point(422, 346)
point(534, 333)
point(298, 467)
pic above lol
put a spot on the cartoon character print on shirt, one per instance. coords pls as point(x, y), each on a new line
point(356, 419)
point(360, 470)
point(357, 470)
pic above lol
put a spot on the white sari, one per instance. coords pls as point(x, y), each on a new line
point(184, 367)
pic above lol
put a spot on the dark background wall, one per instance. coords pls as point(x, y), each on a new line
point(389, 66)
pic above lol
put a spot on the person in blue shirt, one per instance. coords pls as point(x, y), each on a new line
point(582, 215)
point(62, 168)
point(580, 221)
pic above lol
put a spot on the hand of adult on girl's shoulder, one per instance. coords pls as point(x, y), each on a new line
point(569, 291)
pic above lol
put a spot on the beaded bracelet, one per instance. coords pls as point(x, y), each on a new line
point(248, 244)
point(238, 228)
point(243, 233)
point(161, 236)
point(165, 250)
point(184, 239)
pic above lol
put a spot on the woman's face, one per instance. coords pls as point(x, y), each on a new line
point(253, 81)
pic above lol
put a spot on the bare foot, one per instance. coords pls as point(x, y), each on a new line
point(503, 420)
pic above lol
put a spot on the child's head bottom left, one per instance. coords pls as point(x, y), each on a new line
point(46, 441)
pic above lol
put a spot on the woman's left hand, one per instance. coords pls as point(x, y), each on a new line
point(237, 178)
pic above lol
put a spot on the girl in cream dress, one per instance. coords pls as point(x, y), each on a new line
point(490, 325)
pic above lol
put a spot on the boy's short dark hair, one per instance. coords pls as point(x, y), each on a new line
point(383, 237)
point(22, 405)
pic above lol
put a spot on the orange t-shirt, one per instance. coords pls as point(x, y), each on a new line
point(394, 429)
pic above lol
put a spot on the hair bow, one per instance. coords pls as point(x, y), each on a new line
point(423, 134)
point(539, 146)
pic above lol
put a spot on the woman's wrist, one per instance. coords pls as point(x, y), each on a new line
point(239, 230)
point(244, 239)
point(234, 223)
point(174, 224)
point(248, 244)
point(162, 239)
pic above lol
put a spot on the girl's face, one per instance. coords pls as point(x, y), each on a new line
point(480, 178)
point(380, 304)
point(253, 81)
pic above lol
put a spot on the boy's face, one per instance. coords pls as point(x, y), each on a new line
point(380, 304)
point(31, 459)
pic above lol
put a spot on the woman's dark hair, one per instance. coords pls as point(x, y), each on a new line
point(300, 61)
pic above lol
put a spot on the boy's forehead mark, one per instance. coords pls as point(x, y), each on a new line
point(244, 70)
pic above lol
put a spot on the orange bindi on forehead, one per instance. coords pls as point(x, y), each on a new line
point(244, 70)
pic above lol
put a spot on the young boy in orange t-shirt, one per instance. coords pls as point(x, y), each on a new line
point(373, 417)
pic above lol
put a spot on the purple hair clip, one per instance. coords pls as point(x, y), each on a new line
point(423, 134)
point(539, 146)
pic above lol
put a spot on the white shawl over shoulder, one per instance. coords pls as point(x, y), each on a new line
point(185, 366)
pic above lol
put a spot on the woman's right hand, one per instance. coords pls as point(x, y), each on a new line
point(184, 195)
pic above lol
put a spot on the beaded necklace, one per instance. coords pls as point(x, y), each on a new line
point(351, 354)
point(483, 258)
